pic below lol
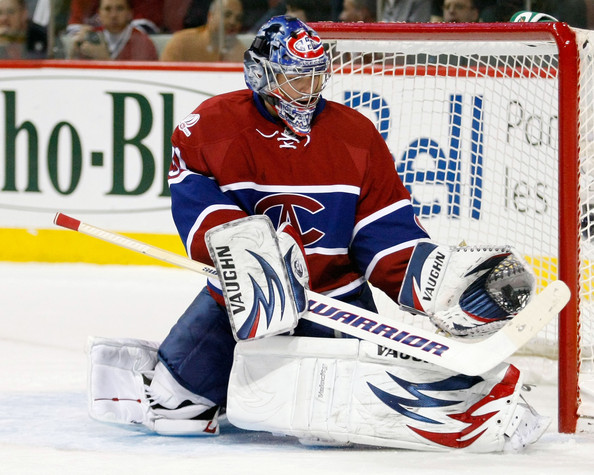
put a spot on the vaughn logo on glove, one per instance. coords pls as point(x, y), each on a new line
point(466, 290)
point(254, 278)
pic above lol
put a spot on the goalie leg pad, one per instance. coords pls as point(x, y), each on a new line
point(120, 372)
point(116, 379)
point(348, 391)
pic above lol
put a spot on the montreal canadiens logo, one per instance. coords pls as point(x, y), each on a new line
point(305, 46)
point(285, 207)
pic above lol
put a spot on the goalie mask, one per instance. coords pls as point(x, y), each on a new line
point(288, 67)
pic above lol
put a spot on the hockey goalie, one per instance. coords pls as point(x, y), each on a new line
point(285, 191)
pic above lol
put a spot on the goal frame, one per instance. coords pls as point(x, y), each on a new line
point(568, 162)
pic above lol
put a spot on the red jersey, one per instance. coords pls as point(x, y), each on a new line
point(337, 186)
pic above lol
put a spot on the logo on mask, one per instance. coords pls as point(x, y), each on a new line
point(305, 46)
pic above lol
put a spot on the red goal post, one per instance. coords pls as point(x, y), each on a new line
point(492, 131)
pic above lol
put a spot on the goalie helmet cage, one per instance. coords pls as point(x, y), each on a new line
point(491, 130)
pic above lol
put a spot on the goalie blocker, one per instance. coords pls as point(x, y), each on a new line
point(263, 273)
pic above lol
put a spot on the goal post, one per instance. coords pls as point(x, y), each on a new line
point(491, 129)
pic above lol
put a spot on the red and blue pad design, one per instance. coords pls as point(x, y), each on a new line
point(468, 423)
point(257, 288)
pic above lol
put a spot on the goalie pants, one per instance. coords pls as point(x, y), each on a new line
point(199, 348)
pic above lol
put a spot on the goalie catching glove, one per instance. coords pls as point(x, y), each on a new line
point(263, 273)
point(466, 291)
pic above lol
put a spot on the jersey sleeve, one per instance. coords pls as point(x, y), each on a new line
point(197, 202)
point(386, 228)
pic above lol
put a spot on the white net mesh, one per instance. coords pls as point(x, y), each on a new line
point(473, 129)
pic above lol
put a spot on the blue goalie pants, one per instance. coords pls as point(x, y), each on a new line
point(199, 348)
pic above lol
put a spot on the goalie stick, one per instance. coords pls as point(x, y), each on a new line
point(472, 358)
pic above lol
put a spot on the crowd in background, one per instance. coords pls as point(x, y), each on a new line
point(198, 30)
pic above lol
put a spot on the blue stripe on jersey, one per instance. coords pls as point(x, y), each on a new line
point(189, 208)
point(383, 233)
point(323, 215)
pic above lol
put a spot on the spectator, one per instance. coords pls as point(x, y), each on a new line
point(501, 10)
point(460, 11)
point(364, 11)
point(174, 15)
point(254, 12)
point(40, 12)
point(573, 12)
point(203, 43)
point(436, 11)
point(116, 38)
point(407, 10)
point(19, 37)
point(359, 10)
point(196, 13)
point(305, 10)
point(154, 16)
point(275, 7)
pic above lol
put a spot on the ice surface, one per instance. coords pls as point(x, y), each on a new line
point(49, 310)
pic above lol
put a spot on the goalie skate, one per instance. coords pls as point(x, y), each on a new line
point(525, 428)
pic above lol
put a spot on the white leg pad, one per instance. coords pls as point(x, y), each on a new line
point(120, 371)
point(116, 386)
point(348, 391)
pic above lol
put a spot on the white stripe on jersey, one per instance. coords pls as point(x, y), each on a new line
point(180, 177)
point(345, 289)
point(201, 217)
point(181, 172)
point(354, 190)
point(327, 251)
point(379, 214)
point(385, 252)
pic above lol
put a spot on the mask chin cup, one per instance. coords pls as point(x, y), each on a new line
point(298, 119)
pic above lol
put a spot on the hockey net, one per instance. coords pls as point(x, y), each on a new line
point(492, 131)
